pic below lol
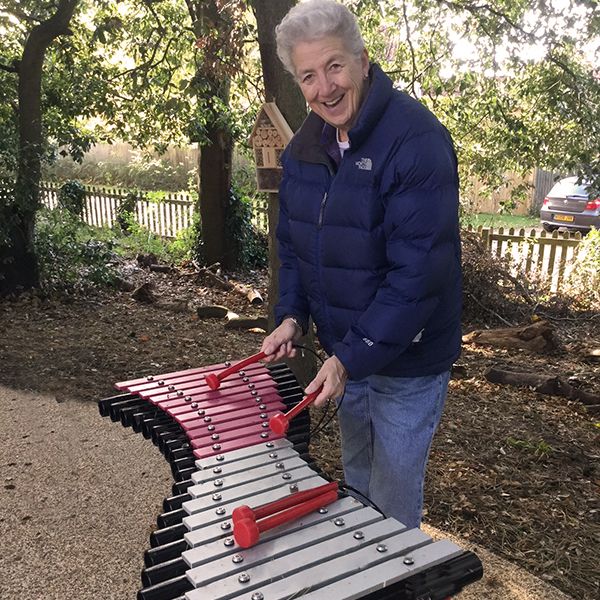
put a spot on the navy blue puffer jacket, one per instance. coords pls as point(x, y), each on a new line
point(370, 249)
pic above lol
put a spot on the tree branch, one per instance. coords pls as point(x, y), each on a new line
point(15, 12)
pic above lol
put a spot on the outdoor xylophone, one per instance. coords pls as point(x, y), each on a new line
point(251, 516)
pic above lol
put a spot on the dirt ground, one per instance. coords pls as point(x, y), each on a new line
point(511, 470)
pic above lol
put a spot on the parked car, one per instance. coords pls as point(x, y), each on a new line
point(568, 204)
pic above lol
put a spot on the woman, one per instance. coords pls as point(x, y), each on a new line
point(369, 246)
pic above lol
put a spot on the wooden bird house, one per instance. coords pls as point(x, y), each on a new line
point(269, 137)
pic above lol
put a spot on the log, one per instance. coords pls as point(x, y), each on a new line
point(161, 268)
point(214, 311)
point(246, 323)
point(550, 385)
point(215, 280)
point(538, 337)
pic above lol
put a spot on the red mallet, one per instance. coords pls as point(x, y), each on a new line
point(265, 510)
point(246, 532)
point(213, 381)
point(279, 423)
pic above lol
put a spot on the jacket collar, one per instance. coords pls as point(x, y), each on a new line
point(308, 142)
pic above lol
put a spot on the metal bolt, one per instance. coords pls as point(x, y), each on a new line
point(211, 428)
point(381, 548)
point(270, 445)
point(217, 497)
point(188, 398)
point(171, 388)
point(264, 425)
point(237, 558)
point(339, 522)
point(359, 535)
point(218, 482)
point(242, 373)
point(409, 560)
point(272, 454)
point(228, 542)
point(251, 386)
point(180, 392)
point(263, 415)
point(257, 596)
point(221, 510)
point(216, 446)
point(293, 487)
point(226, 525)
point(217, 470)
point(220, 458)
point(323, 511)
point(246, 379)
point(264, 435)
point(279, 466)
point(161, 382)
point(201, 412)
point(263, 407)
point(207, 419)
point(258, 399)
point(227, 363)
point(244, 578)
point(214, 436)
point(286, 476)
point(150, 378)
point(194, 405)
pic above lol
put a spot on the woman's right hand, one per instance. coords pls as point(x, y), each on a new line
point(278, 344)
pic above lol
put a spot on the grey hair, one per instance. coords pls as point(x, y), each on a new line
point(313, 20)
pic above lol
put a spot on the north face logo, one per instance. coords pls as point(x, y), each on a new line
point(366, 164)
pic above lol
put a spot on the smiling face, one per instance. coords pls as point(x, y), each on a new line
point(332, 80)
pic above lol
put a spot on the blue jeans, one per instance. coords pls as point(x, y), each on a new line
point(387, 426)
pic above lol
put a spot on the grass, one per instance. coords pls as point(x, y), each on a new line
point(496, 220)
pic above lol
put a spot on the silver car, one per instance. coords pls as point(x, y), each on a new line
point(569, 205)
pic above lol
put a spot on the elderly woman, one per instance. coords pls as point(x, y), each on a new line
point(369, 246)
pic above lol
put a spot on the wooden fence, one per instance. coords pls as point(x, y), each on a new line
point(166, 216)
point(545, 257)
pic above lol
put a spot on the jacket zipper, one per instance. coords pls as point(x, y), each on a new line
point(322, 209)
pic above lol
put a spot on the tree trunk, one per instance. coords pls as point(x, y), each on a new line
point(281, 89)
point(18, 262)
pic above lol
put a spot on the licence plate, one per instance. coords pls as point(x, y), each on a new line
point(566, 218)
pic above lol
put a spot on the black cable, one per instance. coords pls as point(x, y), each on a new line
point(316, 354)
point(368, 501)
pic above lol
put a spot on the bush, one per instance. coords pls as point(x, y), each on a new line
point(583, 283)
point(71, 260)
point(71, 197)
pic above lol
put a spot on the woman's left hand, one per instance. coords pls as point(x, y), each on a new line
point(332, 376)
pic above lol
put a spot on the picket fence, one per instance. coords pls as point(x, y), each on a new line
point(166, 217)
point(545, 257)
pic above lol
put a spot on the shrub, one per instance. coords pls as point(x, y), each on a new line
point(71, 197)
point(583, 283)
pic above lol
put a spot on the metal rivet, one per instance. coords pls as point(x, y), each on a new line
point(264, 425)
point(359, 535)
point(221, 510)
point(244, 578)
point(381, 548)
point(272, 454)
point(237, 558)
point(246, 379)
point(211, 428)
point(194, 405)
point(188, 398)
point(270, 445)
point(258, 399)
point(286, 476)
point(263, 407)
point(216, 447)
point(180, 392)
point(242, 373)
point(150, 378)
point(339, 522)
point(323, 511)
point(207, 419)
point(251, 386)
point(161, 382)
point(263, 415)
point(227, 363)
point(409, 560)
point(264, 435)
point(228, 542)
point(217, 497)
point(171, 388)
point(293, 487)
point(220, 458)
point(279, 466)
point(218, 482)
point(226, 525)
point(214, 436)
point(257, 596)
point(217, 470)
point(254, 393)
point(201, 412)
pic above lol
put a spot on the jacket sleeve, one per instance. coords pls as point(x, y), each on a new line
point(420, 193)
point(292, 298)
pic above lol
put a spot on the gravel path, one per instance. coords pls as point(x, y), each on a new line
point(79, 498)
